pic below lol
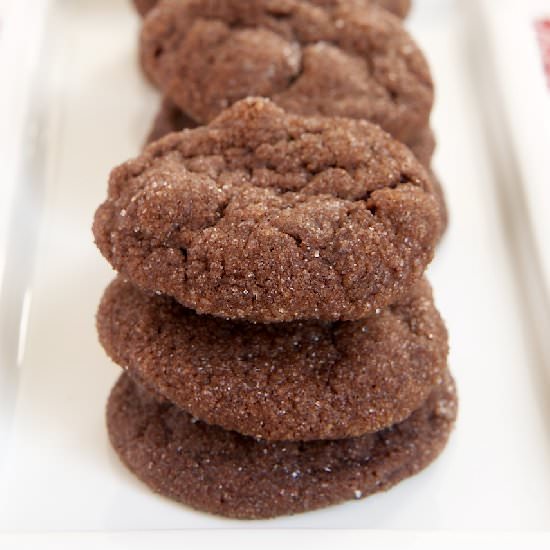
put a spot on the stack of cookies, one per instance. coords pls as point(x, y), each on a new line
point(281, 348)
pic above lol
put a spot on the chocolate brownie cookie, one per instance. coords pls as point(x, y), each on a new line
point(397, 7)
point(329, 57)
point(289, 381)
point(225, 473)
point(170, 118)
point(267, 216)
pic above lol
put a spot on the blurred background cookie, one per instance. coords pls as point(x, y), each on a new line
point(329, 58)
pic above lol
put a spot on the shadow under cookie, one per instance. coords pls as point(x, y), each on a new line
point(289, 381)
point(225, 473)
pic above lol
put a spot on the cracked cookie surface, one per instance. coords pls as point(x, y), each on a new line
point(267, 216)
point(272, 217)
point(225, 473)
point(328, 57)
point(170, 118)
point(289, 381)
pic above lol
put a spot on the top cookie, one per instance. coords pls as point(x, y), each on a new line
point(322, 57)
point(268, 216)
point(397, 7)
point(170, 118)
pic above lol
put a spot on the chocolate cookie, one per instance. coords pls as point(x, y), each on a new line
point(170, 118)
point(225, 473)
point(289, 381)
point(267, 216)
point(398, 7)
point(324, 57)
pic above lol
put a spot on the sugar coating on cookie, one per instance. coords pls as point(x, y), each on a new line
point(170, 118)
point(286, 381)
point(225, 473)
point(327, 57)
point(267, 216)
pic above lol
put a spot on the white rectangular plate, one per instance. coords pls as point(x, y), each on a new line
point(57, 471)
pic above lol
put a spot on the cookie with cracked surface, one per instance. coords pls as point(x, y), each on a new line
point(268, 216)
point(329, 57)
point(225, 473)
point(285, 381)
point(170, 118)
point(397, 7)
